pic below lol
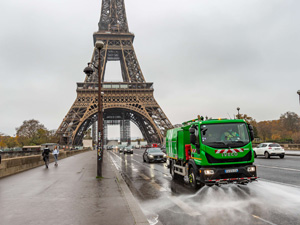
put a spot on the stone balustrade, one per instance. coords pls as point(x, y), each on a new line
point(15, 165)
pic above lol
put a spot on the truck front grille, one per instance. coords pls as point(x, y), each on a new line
point(211, 159)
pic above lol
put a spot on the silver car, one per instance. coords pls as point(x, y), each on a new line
point(154, 155)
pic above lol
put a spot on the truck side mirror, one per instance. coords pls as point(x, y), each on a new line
point(251, 132)
point(192, 136)
point(193, 139)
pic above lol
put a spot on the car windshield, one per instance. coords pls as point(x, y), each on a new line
point(224, 135)
point(154, 150)
point(274, 145)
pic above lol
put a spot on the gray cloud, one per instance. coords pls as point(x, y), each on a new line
point(204, 57)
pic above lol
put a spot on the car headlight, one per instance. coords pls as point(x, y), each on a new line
point(165, 155)
point(209, 172)
point(251, 169)
point(150, 156)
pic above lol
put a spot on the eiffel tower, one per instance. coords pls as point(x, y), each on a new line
point(130, 100)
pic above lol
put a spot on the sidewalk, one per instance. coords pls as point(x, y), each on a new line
point(69, 194)
point(292, 152)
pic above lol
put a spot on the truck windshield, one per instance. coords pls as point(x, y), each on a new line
point(224, 135)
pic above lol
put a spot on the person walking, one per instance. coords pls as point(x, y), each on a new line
point(55, 155)
point(45, 155)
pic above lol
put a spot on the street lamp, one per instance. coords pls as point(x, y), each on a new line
point(88, 70)
point(238, 109)
point(298, 92)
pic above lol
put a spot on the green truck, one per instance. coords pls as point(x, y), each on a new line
point(211, 152)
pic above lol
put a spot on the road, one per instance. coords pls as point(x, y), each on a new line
point(274, 199)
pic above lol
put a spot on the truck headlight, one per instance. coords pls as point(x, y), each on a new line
point(251, 169)
point(209, 172)
point(150, 156)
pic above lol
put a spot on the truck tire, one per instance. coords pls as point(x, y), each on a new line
point(267, 155)
point(192, 179)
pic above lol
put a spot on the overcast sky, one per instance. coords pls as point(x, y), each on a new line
point(205, 57)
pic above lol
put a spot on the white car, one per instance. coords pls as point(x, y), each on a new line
point(269, 149)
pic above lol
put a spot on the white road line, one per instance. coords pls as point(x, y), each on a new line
point(281, 168)
point(266, 221)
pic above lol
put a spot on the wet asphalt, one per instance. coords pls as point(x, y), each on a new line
point(274, 199)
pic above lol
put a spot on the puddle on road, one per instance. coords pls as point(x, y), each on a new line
point(228, 204)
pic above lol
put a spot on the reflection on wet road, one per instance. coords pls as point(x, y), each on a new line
point(165, 201)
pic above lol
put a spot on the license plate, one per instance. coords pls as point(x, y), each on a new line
point(277, 148)
point(232, 171)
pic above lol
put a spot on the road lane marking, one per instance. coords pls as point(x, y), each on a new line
point(157, 186)
point(266, 221)
point(144, 176)
point(281, 168)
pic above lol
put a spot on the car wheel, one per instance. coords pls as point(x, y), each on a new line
point(255, 156)
point(267, 155)
point(281, 156)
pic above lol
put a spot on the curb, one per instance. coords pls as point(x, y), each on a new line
point(139, 217)
point(291, 154)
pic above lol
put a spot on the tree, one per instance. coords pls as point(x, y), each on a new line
point(11, 142)
point(264, 130)
point(31, 132)
point(52, 136)
point(290, 121)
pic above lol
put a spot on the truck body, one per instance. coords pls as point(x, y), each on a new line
point(211, 152)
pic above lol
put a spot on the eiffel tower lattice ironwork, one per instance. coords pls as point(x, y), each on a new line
point(130, 100)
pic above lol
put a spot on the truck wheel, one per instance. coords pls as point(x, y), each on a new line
point(267, 155)
point(192, 179)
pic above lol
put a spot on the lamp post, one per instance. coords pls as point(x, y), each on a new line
point(88, 70)
point(298, 92)
point(99, 45)
point(238, 109)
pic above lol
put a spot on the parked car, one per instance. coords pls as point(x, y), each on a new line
point(128, 149)
point(269, 149)
point(154, 155)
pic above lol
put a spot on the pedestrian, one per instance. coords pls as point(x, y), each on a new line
point(55, 155)
point(45, 155)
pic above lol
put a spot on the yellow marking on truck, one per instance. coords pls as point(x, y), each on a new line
point(171, 157)
point(196, 158)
